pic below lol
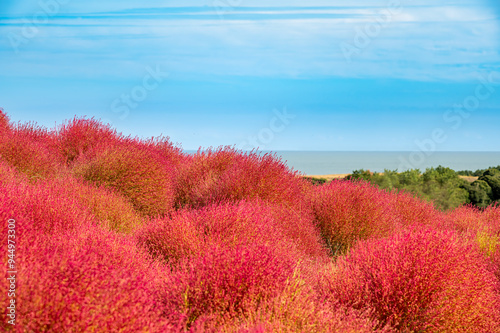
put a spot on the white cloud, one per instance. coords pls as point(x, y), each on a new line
point(426, 41)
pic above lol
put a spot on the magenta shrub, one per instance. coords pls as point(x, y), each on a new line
point(225, 282)
point(84, 136)
point(4, 121)
point(467, 219)
point(418, 280)
point(110, 208)
point(85, 281)
point(39, 212)
point(481, 226)
point(347, 212)
point(28, 149)
point(411, 210)
point(188, 233)
point(226, 174)
point(171, 154)
point(138, 174)
point(44, 206)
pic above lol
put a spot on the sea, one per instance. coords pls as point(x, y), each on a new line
point(335, 162)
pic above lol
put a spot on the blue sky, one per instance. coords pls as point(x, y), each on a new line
point(287, 75)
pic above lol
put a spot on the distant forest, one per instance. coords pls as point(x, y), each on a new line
point(445, 187)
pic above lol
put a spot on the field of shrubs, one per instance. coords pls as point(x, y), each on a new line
point(121, 234)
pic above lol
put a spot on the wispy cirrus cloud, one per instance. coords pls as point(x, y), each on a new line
point(435, 41)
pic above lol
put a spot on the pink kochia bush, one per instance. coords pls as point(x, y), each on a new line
point(299, 309)
point(72, 275)
point(226, 282)
point(84, 136)
point(411, 210)
point(28, 148)
point(4, 121)
point(87, 280)
point(481, 226)
point(418, 280)
point(44, 206)
point(346, 212)
point(141, 175)
point(225, 174)
point(469, 219)
point(110, 208)
point(170, 154)
point(320, 322)
point(188, 233)
point(39, 211)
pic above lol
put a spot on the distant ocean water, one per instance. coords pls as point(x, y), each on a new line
point(323, 162)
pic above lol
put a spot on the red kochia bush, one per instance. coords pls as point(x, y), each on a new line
point(411, 210)
point(9, 174)
point(226, 174)
point(418, 280)
point(4, 121)
point(171, 154)
point(72, 277)
point(299, 309)
point(346, 212)
point(28, 148)
point(136, 172)
point(87, 280)
point(44, 206)
point(470, 219)
point(81, 135)
point(225, 283)
point(340, 321)
point(112, 209)
point(38, 211)
point(188, 233)
point(480, 225)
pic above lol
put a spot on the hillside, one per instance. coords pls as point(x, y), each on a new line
point(103, 232)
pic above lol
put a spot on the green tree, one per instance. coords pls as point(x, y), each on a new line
point(480, 193)
point(492, 177)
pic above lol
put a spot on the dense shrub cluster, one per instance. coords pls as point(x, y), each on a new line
point(190, 233)
point(28, 148)
point(121, 234)
point(225, 174)
point(418, 281)
point(133, 171)
point(346, 213)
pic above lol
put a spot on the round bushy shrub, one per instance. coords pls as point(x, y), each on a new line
point(111, 209)
point(87, 280)
point(225, 283)
point(135, 172)
point(188, 233)
point(82, 136)
point(39, 214)
point(28, 148)
point(171, 154)
point(4, 122)
point(298, 309)
point(481, 226)
point(44, 206)
point(226, 174)
point(411, 210)
point(346, 212)
point(418, 280)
